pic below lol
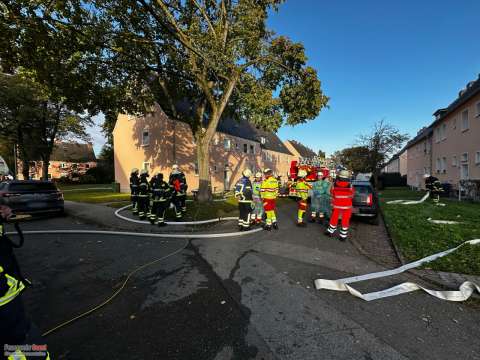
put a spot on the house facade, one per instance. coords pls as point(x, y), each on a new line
point(398, 163)
point(419, 157)
point(456, 138)
point(68, 160)
point(299, 151)
point(155, 142)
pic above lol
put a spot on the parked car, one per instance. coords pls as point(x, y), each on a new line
point(31, 196)
point(365, 201)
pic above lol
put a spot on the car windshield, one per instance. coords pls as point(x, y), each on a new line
point(40, 186)
point(362, 189)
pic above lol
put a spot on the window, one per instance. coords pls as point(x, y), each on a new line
point(465, 157)
point(87, 166)
point(437, 135)
point(146, 166)
point(444, 132)
point(196, 168)
point(444, 165)
point(478, 109)
point(454, 161)
point(226, 144)
point(464, 172)
point(215, 168)
point(477, 157)
point(438, 165)
point(263, 140)
point(145, 137)
point(454, 123)
point(216, 140)
point(465, 120)
point(252, 149)
point(245, 148)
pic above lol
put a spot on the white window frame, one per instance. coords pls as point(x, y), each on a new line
point(465, 124)
point(454, 161)
point(245, 148)
point(477, 158)
point(252, 149)
point(146, 166)
point(477, 106)
point(438, 165)
point(145, 139)
point(464, 158)
point(444, 165)
point(227, 144)
point(462, 175)
point(444, 131)
point(263, 140)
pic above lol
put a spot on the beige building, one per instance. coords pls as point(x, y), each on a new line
point(155, 142)
point(419, 157)
point(398, 163)
point(299, 151)
point(456, 138)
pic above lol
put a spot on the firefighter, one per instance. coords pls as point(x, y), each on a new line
point(244, 195)
point(15, 327)
point(320, 205)
point(257, 215)
point(269, 193)
point(161, 193)
point(178, 182)
point(433, 185)
point(143, 194)
point(342, 198)
point(302, 189)
point(134, 181)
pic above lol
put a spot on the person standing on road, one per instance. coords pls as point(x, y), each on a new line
point(178, 182)
point(342, 202)
point(257, 215)
point(433, 185)
point(134, 181)
point(269, 193)
point(302, 187)
point(143, 194)
point(244, 195)
point(320, 205)
point(15, 327)
point(161, 193)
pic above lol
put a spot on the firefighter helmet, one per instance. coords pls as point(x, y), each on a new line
point(258, 175)
point(247, 173)
point(134, 171)
point(426, 176)
point(175, 167)
point(144, 172)
point(302, 173)
point(267, 171)
point(344, 174)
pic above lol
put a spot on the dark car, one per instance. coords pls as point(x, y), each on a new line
point(365, 201)
point(31, 196)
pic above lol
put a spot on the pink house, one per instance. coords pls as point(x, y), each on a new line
point(155, 142)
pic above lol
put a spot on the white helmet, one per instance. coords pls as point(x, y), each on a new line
point(134, 171)
point(143, 172)
point(258, 175)
point(247, 173)
point(426, 176)
point(344, 174)
point(302, 173)
point(267, 170)
point(175, 167)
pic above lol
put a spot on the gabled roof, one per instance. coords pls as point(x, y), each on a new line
point(304, 151)
point(272, 142)
point(422, 134)
point(73, 152)
point(472, 89)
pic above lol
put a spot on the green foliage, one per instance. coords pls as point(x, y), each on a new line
point(354, 158)
point(417, 238)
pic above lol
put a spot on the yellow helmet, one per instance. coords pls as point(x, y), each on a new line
point(258, 175)
point(247, 173)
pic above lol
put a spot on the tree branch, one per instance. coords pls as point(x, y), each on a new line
point(207, 19)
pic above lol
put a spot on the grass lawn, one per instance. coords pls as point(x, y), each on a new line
point(416, 237)
point(101, 196)
point(83, 186)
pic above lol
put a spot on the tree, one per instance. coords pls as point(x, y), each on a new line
point(382, 143)
point(354, 158)
point(321, 154)
point(32, 121)
point(215, 57)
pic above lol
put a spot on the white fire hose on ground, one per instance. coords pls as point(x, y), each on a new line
point(410, 202)
point(465, 290)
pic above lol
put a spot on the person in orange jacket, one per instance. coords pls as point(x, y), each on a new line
point(342, 202)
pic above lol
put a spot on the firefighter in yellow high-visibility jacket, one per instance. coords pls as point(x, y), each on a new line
point(269, 193)
point(302, 187)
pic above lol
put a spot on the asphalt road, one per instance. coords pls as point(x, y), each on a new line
point(249, 297)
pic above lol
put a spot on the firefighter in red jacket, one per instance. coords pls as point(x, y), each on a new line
point(342, 198)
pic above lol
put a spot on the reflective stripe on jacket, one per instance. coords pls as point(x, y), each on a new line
point(302, 188)
point(243, 190)
point(342, 195)
point(14, 288)
point(269, 188)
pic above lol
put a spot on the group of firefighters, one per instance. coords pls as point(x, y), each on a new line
point(151, 198)
point(329, 200)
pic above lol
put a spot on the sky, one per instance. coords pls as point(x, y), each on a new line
point(378, 59)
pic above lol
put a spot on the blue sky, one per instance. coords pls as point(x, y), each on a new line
point(399, 60)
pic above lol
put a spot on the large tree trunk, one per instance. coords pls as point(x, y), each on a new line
point(45, 162)
point(203, 157)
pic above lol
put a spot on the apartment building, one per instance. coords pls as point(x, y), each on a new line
point(419, 157)
point(456, 138)
point(299, 150)
point(398, 163)
point(155, 142)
